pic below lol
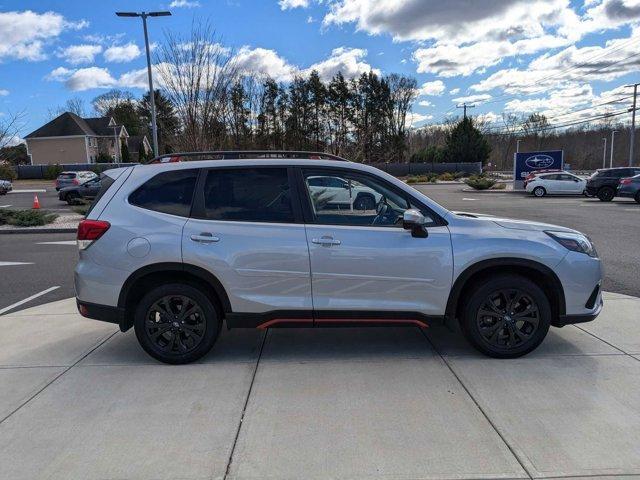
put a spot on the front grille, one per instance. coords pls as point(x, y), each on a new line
point(591, 302)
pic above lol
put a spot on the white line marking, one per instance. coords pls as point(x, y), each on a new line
point(10, 264)
point(28, 299)
point(35, 190)
point(470, 199)
point(61, 242)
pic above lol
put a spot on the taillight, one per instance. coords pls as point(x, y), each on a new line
point(625, 181)
point(75, 181)
point(89, 231)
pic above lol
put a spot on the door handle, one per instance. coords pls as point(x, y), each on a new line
point(326, 241)
point(205, 237)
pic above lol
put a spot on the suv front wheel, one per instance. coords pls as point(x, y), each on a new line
point(176, 323)
point(606, 194)
point(506, 317)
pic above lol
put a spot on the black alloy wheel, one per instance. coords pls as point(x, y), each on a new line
point(176, 323)
point(606, 194)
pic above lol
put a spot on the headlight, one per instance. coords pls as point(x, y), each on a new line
point(576, 242)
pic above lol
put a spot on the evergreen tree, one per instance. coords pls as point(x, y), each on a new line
point(167, 120)
point(465, 143)
point(125, 156)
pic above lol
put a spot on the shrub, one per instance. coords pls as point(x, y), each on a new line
point(7, 172)
point(446, 177)
point(52, 172)
point(499, 186)
point(26, 218)
point(459, 175)
point(428, 178)
point(480, 183)
point(82, 209)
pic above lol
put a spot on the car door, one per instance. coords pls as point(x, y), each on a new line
point(247, 230)
point(572, 184)
point(364, 264)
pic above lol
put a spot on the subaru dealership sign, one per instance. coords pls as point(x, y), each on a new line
point(526, 162)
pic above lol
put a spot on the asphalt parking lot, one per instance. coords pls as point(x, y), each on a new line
point(22, 196)
point(80, 400)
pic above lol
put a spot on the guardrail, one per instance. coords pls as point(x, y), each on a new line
point(37, 172)
point(25, 172)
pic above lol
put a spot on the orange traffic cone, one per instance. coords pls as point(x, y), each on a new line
point(36, 202)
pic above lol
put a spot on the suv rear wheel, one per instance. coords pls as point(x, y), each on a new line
point(176, 323)
point(637, 197)
point(506, 317)
point(606, 194)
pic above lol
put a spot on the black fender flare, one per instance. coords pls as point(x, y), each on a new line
point(504, 263)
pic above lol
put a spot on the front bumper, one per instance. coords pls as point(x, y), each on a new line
point(580, 318)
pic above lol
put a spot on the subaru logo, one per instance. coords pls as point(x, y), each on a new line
point(539, 161)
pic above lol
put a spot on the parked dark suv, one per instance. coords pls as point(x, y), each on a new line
point(604, 183)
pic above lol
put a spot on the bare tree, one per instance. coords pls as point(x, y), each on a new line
point(73, 105)
point(109, 101)
point(197, 73)
point(10, 126)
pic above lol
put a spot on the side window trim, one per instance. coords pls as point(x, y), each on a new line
point(198, 206)
point(307, 209)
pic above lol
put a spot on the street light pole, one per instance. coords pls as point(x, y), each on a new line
point(613, 137)
point(632, 136)
point(518, 146)
point(144, 15)
point(604, 153)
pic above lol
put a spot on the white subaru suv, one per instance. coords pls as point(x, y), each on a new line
point(176, 249)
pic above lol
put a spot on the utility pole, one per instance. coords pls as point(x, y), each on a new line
point(613, 137)
point(144, 15)
point(632, 136)
point(465, 106)
point(604, 153)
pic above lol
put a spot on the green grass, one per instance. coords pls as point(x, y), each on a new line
point(26, 218)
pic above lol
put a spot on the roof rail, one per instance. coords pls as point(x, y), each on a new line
point(240, 154)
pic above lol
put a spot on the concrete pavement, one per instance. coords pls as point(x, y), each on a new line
point(79, 400)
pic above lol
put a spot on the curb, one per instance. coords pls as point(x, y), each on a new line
point(471, 190)
point(37, 230)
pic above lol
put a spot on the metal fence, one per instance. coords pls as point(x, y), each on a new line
point(396, 169)
point(405, 169)
point(28, 172)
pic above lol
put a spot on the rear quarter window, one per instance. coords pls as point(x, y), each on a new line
point(105, 183)
point(66, 176)
point(168, 192)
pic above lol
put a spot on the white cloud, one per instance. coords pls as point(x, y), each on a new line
point(415, 119)
point(122, 53)
point(184, 4)
point(435, 88)
point(288, 4)
point(4, 92)
point(425, 103)
point(349, 61)
point(78, 54)
point(261, 61)
point(24, 34)
point(83, 78)
point(454, 91)
point(473, 98)
point(616, 58)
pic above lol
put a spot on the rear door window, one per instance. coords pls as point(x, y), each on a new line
point(248, 195)
point(67, 176)
point(168, 192)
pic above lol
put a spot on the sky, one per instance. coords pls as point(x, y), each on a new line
point(569, 60)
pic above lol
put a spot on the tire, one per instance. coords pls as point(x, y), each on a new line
point(72, 198)
point(499, 334)
point(637, 197)
point(167, 336)
point(606, 194)
point(539, 192)
point(364, 202)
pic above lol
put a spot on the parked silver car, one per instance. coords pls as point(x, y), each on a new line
point(175, 249)
point(70, 179)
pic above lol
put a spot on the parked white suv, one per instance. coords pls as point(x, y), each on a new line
point(175, 249)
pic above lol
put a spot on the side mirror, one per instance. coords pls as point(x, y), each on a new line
point(414, 220)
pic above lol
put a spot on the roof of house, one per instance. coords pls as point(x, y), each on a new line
point(134, 142)
point(69, 124)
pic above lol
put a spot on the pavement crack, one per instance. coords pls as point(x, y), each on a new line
point(477, 404)
point(82, 357)
point(244, 408)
